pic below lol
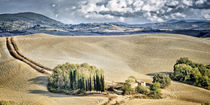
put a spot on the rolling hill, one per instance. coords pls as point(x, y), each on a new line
point(119, 56)
point(29, 23)
point(25, 23)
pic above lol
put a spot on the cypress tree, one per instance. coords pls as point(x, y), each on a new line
point(98, 87)
point(94, 85)
point(86, 83)
point(74, 79)
point(102, 83)
point(70, 76)
point(83, 84)
point(90, 84)
point(71, 80)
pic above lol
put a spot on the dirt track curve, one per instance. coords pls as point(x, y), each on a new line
point(14, 51)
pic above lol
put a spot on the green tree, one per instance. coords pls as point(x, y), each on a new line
point(98, 86)
point(192, 73)
point(90, 84)
point(142, 90)
point(127, 89)
point(182, 72)
point(70, 78)
point(163, 79)
point(184, 60)
point(206, 103)
point(102, 83)
point(155, 91)
point(208, 66)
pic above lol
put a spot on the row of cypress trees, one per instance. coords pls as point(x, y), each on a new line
point(71, 77)
point(95, 81)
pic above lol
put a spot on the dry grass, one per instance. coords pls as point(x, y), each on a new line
point(119, 56)
point(19, 82)
point(158, 102)
point(12, 48)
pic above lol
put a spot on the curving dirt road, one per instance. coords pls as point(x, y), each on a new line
point(14, 51)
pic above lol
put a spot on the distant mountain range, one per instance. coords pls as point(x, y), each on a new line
point(29, 23)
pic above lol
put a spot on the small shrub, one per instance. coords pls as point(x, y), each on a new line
point(116, 103)
point(163, 79)
point(132, 77)
point(7, 103)
point(142, 90)
point(206, 103)
point(111, 88)
point(10, 103)
point(127, 89)
point(208, 66)
point(155, 91)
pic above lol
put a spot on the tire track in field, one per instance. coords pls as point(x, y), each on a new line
point(14, 51)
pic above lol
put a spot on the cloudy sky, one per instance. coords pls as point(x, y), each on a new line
point(128, 11)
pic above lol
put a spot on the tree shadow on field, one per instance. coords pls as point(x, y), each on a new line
point(41, 80)
point(152, 74)
point(49, 94)
point(38, 91)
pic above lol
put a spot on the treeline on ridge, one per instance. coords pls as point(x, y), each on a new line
point(193, 73)
point(76, 78)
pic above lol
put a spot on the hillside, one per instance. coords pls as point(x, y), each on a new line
point(119, 56)
point(30, 23)
point(29, 17)
point(27, 22)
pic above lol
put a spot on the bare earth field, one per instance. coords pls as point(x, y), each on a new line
point(119, 56)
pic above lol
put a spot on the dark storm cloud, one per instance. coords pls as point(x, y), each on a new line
point(132, 11)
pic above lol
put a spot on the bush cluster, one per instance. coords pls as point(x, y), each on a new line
point(155, 91)
point(75, 78)
point(142, 90)
point(163, 79)
point(127, 89)
point(206, 103)
point(192, 73)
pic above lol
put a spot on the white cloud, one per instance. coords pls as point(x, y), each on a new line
point(173, 3)
point(121, 10)
point(177, 15)
point(156, 19)
point(198, 2)
point(207, 16)
point(111, 10)
point(119, 6)
point(74, 7)
point(188, 2)
point(53, 5)
point(130, 2)
point(122, 19)
point(138, 5)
